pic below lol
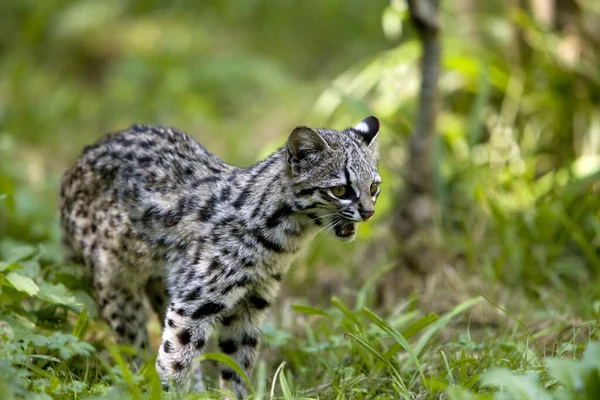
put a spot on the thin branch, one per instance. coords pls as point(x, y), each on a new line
point(424, 15)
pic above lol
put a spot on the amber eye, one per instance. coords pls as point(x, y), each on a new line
point(339, 191)
point(374, 188)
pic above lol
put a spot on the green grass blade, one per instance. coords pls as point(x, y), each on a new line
point(285, 387)
point(261, 380)
point(224, 359)
point(397, 337)
point(78, 329)
point(442, 322)
point(419, 325)
point(346, 311)
point(308, 310)
point(132, 387)
point(367, 347)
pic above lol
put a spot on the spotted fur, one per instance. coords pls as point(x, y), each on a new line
point(152, 214)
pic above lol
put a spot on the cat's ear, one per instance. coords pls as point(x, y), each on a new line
point(304, 143)
point(368, 129)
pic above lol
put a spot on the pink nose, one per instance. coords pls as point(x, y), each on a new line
point(366, 214)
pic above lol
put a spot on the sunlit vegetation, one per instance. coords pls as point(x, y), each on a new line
point(513, 311)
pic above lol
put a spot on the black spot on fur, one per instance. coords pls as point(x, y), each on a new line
point(193, 294)
point(171, 323)
point(214, 265)
point(314, 218)
point(227, 374)
point(278, 277)
point(205, 180)
point(242, 198)
point(167, 346)
point(227, 289)
point(246, 363)
point(306, 192)
point(278, 216)
point(208, 210)
point(177, 366)
point(174, 216)
point(180, 311)
point(259, 302)
point(146, 160)
point(188, 171)
point(200, 343)
point(228, 346)
point(268, 243)
point(207, 309)
point(249, 340)
point(120, 330)
point(214, 170)
point(184, 337)
point(224, 196)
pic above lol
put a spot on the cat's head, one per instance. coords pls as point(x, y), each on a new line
point(335, 175)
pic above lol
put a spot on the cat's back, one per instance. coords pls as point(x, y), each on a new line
point(149, 151)
point(124, 174)
point(152, 159)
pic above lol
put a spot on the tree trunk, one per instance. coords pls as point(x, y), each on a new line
point(414, 220)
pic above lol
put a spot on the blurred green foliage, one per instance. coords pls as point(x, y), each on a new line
point(518, 159)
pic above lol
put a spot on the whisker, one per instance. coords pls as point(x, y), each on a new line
point(336, 223)
point(323, 216)
point(323, 228)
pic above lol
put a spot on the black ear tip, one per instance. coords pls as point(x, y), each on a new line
point(373, 123)
point(368, 126)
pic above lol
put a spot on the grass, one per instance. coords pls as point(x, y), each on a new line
point(514, 314)
point(483, 346)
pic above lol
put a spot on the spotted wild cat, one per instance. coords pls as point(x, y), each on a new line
point(151, 213)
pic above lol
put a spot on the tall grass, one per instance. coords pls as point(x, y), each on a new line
point(515, 313)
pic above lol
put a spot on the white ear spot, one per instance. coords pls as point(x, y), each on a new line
point(362, 127)
point(367, 129)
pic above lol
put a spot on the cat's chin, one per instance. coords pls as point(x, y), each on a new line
point(345, 230)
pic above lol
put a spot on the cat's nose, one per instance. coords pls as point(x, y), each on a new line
point(366, 214)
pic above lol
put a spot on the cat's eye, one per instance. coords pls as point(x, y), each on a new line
point(339, 191)
point(374, 188)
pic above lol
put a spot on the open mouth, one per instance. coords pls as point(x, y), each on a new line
point(345, 229)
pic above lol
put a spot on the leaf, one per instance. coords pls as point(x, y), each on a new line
point(31, 268)
point(526, 387)
point(22, 283)
point(81, 323)
point(576, 376)
point(58, 294)
point(15, 251)
point(392, 20)
point(458, 393)
point(44, 357)
point(20, 325)
point(308, 310)
point(4, 266)
point(224, 359)
point(592, 354)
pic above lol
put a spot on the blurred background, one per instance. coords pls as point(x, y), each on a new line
point(516, 151)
